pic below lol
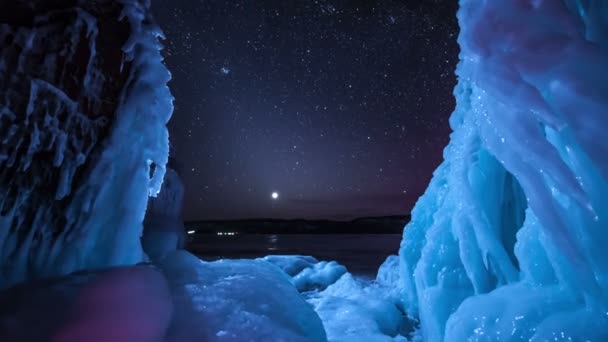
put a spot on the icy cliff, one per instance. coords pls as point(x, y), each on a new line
point(83, 141)
point(509, 241)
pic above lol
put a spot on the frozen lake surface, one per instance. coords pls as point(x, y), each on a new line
point(362, 254)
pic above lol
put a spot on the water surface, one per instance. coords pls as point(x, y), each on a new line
point(362, 254)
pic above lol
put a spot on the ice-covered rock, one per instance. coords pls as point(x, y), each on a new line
point(83, 110)
point(236, 300)
point(509, 240)
point(164, 230)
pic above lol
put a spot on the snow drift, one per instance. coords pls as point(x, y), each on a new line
point(509, 240)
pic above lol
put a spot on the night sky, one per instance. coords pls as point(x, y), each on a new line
point(341, 107)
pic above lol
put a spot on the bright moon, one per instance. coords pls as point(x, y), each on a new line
point(275, 195)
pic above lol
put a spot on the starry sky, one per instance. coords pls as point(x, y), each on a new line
point(341, 107)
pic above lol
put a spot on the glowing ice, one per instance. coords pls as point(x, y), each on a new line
point(93, 219)
point(509, 241)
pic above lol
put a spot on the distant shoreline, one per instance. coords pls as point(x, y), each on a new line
point(364, 225)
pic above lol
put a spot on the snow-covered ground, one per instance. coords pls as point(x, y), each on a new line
point(351, 308)
point(182, 299)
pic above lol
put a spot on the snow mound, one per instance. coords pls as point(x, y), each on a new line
point(236, 300)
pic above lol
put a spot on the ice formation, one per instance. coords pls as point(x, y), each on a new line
point(306, 272)
point(509, 240)
point(236, 300)
point(164, 230)
point(83, 107)
point(352, 309)
point(181, 299)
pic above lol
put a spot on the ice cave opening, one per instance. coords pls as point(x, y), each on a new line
point(507, 243)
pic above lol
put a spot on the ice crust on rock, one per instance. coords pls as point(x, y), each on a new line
point(509, 240)
point(92, 119)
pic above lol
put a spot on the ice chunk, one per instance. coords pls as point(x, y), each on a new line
point(351, 309)
point(319, 276)
point(358, 311)
point(291, 264)
point(509, 239)
point(236, 300)
point(306, 272)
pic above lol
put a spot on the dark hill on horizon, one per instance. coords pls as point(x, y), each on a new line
point(363, 225)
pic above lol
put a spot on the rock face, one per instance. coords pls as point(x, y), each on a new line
point(83, 112)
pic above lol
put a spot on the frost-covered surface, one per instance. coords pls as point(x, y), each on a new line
point(509, 241)
point(83, 108)
point(306, 272)
point(360, 310)
point(236, 300)
point(181, 299)
point(352, 310)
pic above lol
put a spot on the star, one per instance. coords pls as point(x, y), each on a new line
point(260, 99)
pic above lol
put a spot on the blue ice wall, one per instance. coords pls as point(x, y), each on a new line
point(84, 104)
point(509, 240)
